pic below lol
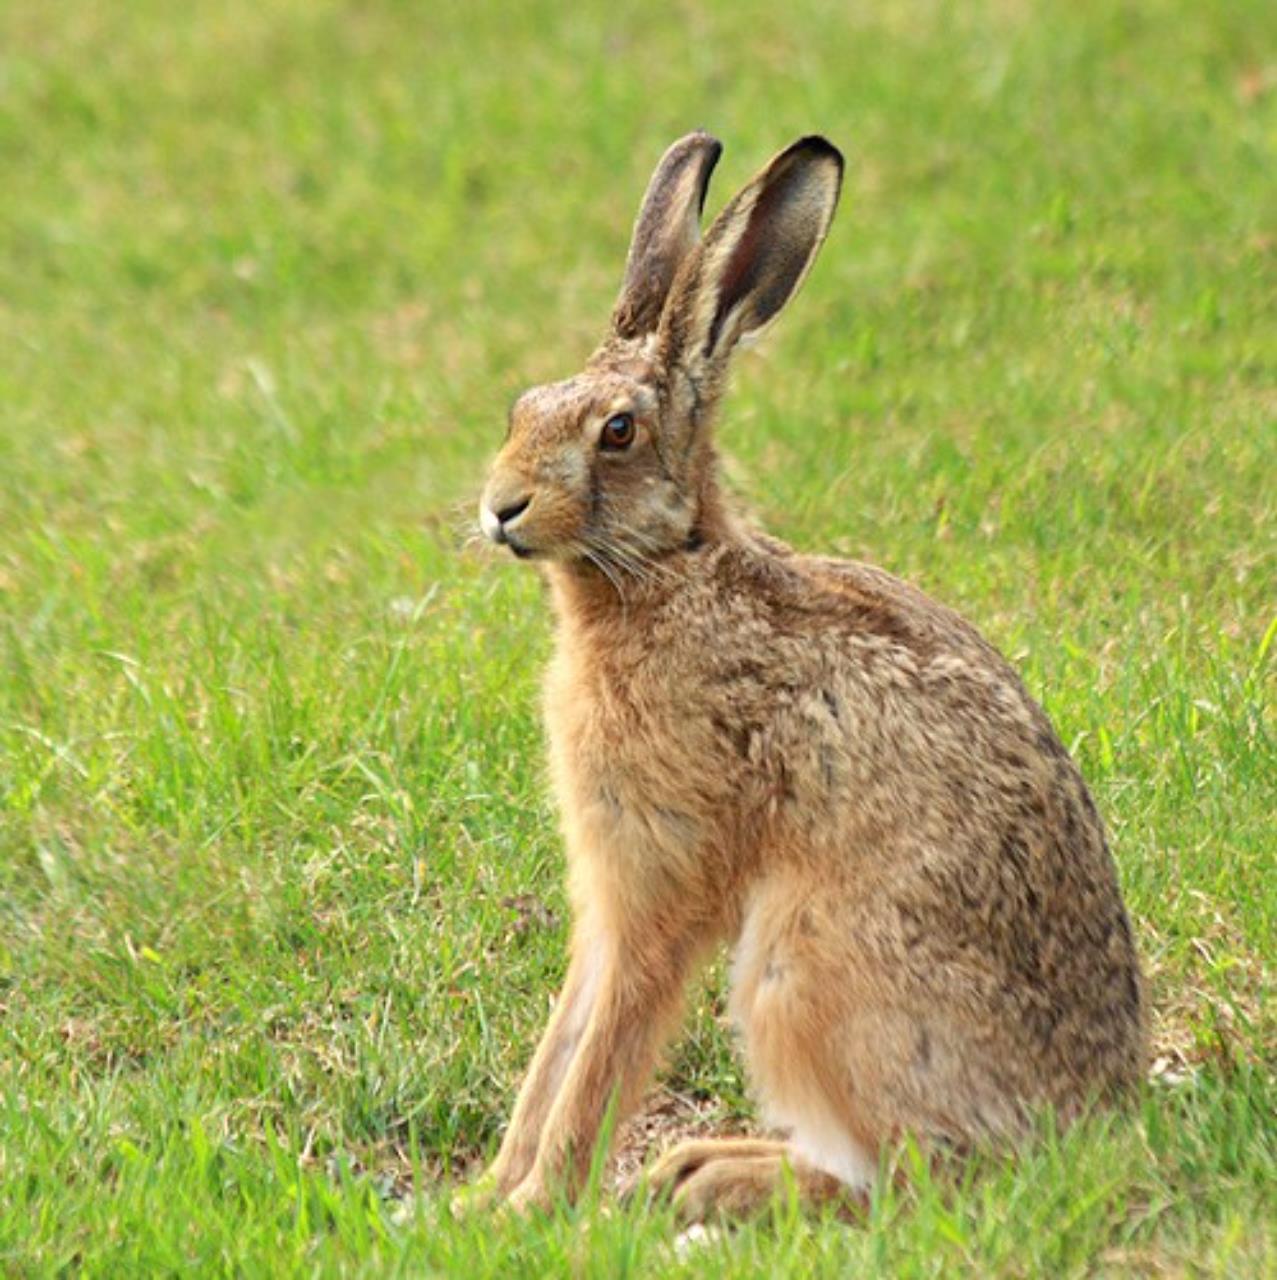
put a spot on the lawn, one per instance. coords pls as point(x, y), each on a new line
point(280, 901)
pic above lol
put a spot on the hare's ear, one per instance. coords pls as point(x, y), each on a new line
point(755, 255)
point(667, 230)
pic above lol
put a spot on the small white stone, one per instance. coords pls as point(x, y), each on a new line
point(697, 1236)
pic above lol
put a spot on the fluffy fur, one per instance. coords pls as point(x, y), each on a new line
point(806, 757)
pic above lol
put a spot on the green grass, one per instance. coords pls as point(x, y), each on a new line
point(274, 834)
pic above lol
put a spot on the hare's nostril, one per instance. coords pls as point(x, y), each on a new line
point(496, 513)
point(513, 511)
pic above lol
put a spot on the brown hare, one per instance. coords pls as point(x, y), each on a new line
point(804, 756)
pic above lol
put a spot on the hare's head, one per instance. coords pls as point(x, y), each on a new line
point(616, 465)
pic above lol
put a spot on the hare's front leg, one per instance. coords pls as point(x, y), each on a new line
point(549, 1065)
point(639, 994)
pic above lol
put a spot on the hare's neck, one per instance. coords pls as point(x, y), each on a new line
point(587, 597)
point(587, 600)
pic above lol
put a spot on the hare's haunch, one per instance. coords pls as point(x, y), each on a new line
point(804, 756)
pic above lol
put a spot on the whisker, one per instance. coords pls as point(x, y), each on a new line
point(642, 566)
point(601, 564)
point(632, 563)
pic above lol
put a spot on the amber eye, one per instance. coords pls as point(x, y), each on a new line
point(618, 432)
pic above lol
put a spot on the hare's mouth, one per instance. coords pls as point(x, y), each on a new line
point(521, 549)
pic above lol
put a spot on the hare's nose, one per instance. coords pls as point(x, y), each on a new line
point(494, 522)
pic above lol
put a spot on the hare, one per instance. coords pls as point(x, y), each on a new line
point(803, 756)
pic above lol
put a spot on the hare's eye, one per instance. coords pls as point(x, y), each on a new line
point(618, 433)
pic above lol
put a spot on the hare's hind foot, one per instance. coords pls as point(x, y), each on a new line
point(740, 1177)
point(686, 1158)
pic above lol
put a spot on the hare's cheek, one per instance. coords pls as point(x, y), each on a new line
point(660, 509)
point(567, 472)
point(668, 501)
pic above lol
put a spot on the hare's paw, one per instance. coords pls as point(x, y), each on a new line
point(686, 1158)
point(530, 1196)
point(730, 1187)
point(737, 1178)
point(676, 1165)
point(479, 1196)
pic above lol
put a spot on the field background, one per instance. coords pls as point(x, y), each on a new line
point(280, 912)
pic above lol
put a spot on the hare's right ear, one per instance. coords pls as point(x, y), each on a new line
point(667, 230)
point(754, 257)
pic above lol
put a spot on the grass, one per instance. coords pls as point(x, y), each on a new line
point(280, 911)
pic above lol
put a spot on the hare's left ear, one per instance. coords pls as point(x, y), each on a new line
point(754, 256)
point(668, 228)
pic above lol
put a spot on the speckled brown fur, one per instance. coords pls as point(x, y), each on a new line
point(803, 756)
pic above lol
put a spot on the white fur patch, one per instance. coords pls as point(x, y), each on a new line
point(489, 523)
point(833, 1151)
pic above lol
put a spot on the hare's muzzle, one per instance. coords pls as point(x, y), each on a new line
point(498, 513)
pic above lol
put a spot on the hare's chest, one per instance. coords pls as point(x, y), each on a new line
point(625, 770)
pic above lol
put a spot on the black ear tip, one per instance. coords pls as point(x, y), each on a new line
point(708, 145)
point(698, 146)
point(816, 146)
point(708, 148)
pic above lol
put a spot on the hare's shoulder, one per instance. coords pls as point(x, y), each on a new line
point(829, 596)
point(874, 589)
